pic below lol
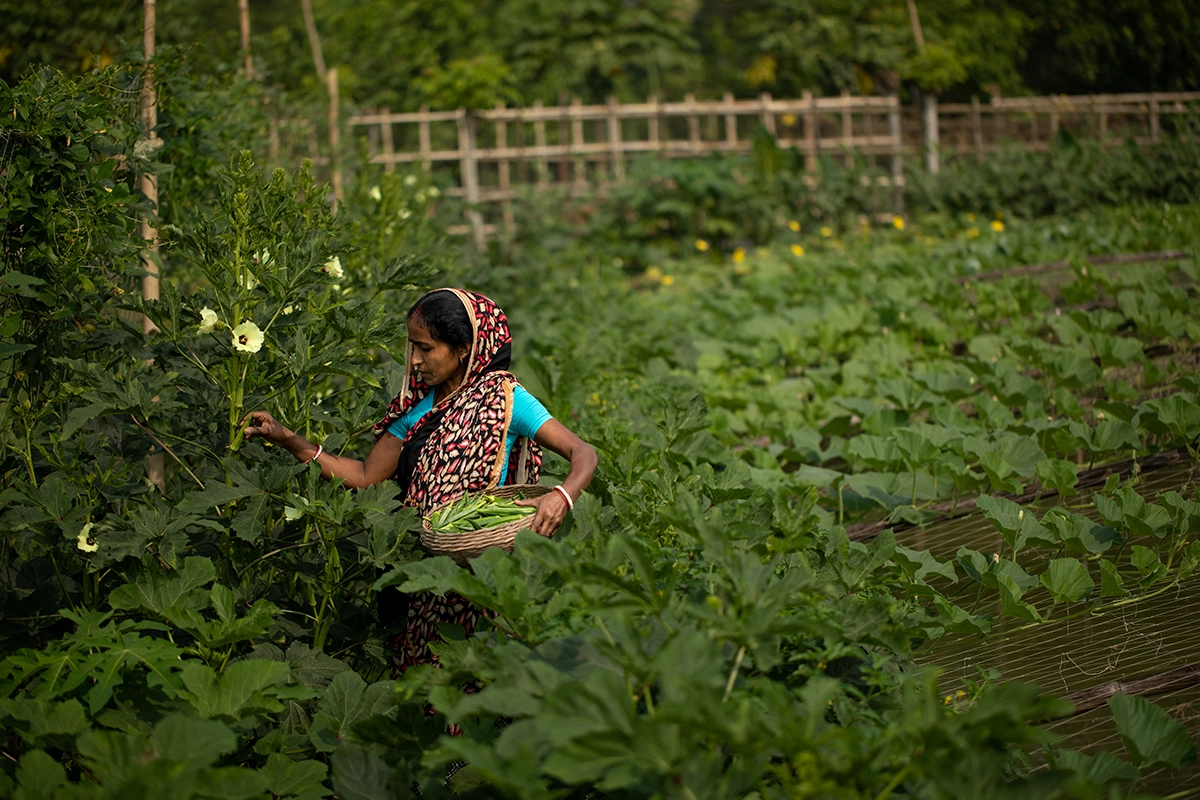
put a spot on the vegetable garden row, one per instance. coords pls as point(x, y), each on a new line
point(705, 628)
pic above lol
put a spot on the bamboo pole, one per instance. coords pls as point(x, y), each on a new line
point(811, 133)
point(976, 127)
point(693, 122)
point(731, 131)
point(389, 147)
point(469, 167)
point(504, 169)
point(156, 466)
point(614, 141)
point(897, 156)
point(244, 24)
point(932, 137)
point(847, 125)
point(314, 41)
point(335, 136)
point(424, 139)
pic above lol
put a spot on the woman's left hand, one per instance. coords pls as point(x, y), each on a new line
point(551, 511)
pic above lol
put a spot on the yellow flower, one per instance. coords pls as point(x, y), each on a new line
point(84, 540)
point(739, 255)
point(654, 273)
point(797, 251)
point(898, 223)
point(997, 226)
point(947, 699)
point(702, 245)
point(667, 280)
point(826, 231)
point(208, 320)
point(972, 233)
point(247, 337)
point(794, 226)
point(788, 119)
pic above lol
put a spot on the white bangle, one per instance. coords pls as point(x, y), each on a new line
point(316, 455)
point(566, 496)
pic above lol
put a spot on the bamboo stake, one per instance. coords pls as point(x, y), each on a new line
point(932, 161)
point(244, 24)
point(314, 41)
point(976, 126)
point(811, 132)
point(385, 136)
point(156, 466)
point(504, 169)
point(731, 132)
point(335, 136)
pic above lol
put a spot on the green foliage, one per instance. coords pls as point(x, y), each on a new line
point(704, 626)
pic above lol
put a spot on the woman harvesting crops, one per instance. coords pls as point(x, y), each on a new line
point(460, 424)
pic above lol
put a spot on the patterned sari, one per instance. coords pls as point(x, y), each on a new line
point(455, 448)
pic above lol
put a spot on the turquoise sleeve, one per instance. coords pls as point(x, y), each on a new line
point(528, 414)
point(400, 427)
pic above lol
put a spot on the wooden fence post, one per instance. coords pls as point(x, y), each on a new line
point(616, 157)
point(767, 116)
point(580, 161)
point(654, 124)
point(693, 122)
point(731, 131)
point(847, 126)
point(1153, 118)
point(424, 139)
point(385, 137)
point(1053, 118)
point(998, 117)
point(564, 164)
point(976, 127)
point(812, 133)
point(469, 167)
point(335, 136)
point(539, 145)
point(505, 175)
point(894, 133)
point(931, 133)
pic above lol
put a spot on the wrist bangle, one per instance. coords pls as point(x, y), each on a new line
point(316, 455)
point(566, 496)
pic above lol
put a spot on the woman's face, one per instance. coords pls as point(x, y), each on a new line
point(436, 362)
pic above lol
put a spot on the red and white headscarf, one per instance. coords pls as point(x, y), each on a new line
point(459, 445)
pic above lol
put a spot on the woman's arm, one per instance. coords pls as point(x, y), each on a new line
point(552, 507)
point(379, 466)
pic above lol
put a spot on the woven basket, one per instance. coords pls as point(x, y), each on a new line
point(462, 546)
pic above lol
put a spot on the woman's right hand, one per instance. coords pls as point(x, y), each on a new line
point(261, 423)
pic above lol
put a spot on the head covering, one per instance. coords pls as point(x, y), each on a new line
point(459, 445)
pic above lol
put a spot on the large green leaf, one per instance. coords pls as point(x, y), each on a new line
point(157, 591)
point(346, 701)
point(1067, 580)
point(359, 774)
point(288, 778)
point(38, 776)
point(243, 690)
point(1150, 734)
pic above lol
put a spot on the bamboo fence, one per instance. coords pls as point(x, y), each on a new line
point(493, 155)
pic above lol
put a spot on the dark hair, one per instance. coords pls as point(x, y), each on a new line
point(445, 317)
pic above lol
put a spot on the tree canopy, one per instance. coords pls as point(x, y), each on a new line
point(448, 52)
